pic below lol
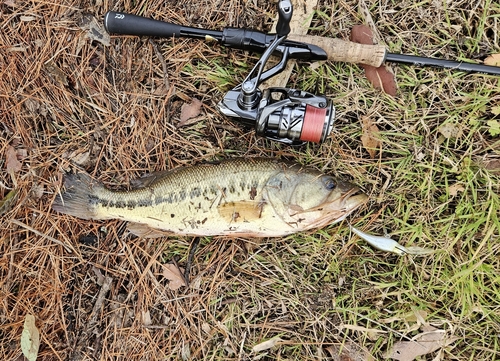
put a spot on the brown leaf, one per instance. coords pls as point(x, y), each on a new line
point(370, 136)
point(189, 111)
point(95, 29)
point(493, 60)
point(455, 188)
point(56, 73)
point(382, 77)
point(146, 318)
point(422, 344)
point(78, 157)
point(12, 164)
point(348, 351)
point(492, 165)
point(173, 274)
point(362, 34)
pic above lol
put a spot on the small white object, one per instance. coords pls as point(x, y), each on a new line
point(389, 245)
point(381, 243)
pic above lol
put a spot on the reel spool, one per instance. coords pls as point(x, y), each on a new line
point(298, 117)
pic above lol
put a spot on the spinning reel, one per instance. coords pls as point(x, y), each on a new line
point(286, 115)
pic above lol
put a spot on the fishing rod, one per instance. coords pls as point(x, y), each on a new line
point(287, 115)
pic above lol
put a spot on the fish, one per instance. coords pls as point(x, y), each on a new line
point(238, 197)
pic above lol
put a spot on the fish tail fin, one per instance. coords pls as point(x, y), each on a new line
point(78, 198)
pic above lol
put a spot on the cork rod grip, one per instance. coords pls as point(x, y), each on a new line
point(345, 51)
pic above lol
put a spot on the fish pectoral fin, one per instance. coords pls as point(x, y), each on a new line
point(145, 231)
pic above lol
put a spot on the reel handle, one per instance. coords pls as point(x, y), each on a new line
point(285, 12)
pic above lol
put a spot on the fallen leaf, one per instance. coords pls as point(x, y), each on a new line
point(494, 127)
point(12, 164)
point(37, 191)
point(495, 110)
point(455, 188)
point(370, 136)
point(185, 351)
point(146, 318)
point(422, 344)
point(382, 77)
point(348, 351)
point(493, 60)
point(77, 157)
point(95, 29)
point(362, 34)
point(173, 274)
point(56, 73)
point(206, 328)
point(266, 345)
point(30, 338)
point(451, 130)
point(492, 165)
point(189, 111)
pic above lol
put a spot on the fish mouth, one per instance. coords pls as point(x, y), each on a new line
point(340, 208)
point(353, 198)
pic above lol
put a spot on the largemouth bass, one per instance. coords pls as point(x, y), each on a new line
point(253, 197)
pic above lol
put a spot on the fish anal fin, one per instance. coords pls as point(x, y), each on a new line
point(144, 231)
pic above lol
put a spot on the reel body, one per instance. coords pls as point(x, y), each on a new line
point(285, 115)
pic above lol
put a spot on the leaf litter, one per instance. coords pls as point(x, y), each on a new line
point(348, 351)
point(189, 111)
point(173, 274)
point(30, 338)
point(492, 60)
point(370, 136)
point(12, 163)
point(430, 340)
point(266, 345)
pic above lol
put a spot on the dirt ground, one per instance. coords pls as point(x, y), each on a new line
point(71, 102)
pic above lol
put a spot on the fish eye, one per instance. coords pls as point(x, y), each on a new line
point(329, 183)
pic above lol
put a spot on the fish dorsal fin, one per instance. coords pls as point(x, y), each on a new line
point(149, 179)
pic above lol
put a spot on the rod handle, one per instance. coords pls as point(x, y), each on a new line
point(128, 24)
point(345, 51)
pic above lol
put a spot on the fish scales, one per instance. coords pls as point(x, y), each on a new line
point(246, 197)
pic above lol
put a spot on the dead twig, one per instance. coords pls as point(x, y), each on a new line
point(25, 226)
point(163, 64)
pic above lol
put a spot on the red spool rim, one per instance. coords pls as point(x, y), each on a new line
point(314, 120)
